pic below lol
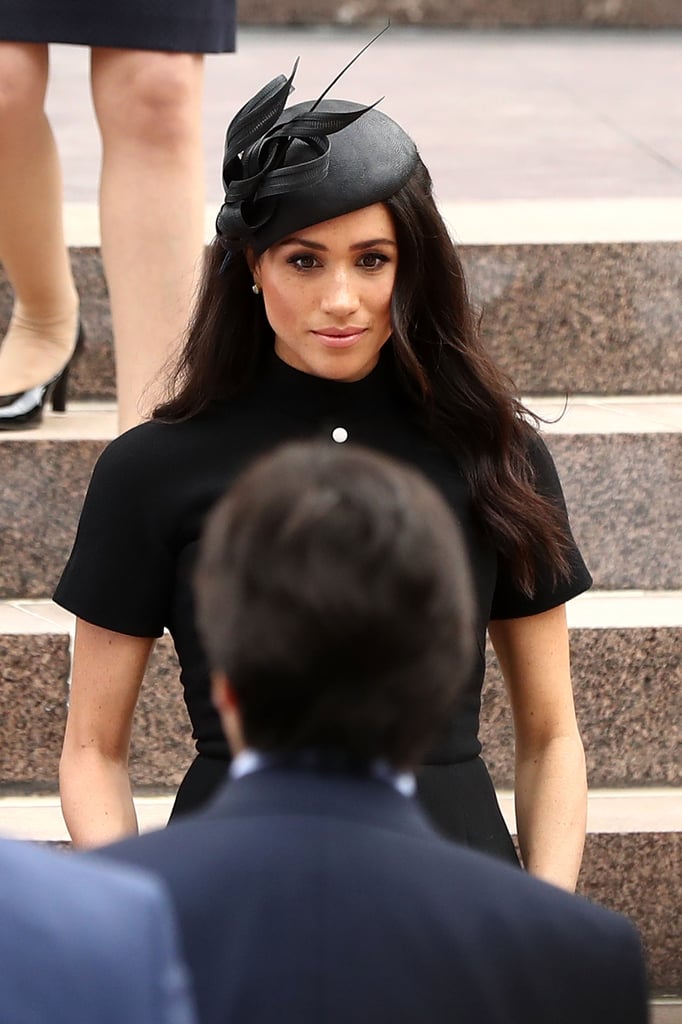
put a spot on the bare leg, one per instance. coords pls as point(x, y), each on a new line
point(149, 108)
point(42, 331)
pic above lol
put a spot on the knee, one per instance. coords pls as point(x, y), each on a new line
point(155, 102)
point(23, 79)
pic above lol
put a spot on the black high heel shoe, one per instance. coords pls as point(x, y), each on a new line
point(24, 410)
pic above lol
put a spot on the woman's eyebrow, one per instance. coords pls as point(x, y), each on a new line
point(306, 242)
point(373, 241)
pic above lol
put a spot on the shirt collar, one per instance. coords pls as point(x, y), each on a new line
point(249, 761)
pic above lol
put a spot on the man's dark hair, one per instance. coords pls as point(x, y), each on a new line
point(333, 591)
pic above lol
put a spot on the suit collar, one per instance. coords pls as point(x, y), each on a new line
point(293, 792)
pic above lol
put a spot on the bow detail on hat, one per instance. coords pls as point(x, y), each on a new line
point(259, 164)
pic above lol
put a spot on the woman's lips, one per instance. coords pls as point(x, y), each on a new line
point(335, 338)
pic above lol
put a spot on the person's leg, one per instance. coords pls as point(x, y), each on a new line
point(149, 108)
point(42, 332)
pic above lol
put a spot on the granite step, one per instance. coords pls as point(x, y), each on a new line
point(38, 817)
point(666, 1011)
point(620, 461)
point(631, 864)
point(565, 187)
point(579, 318)
point(497, 115)
point(463, 14)
point(627, 674)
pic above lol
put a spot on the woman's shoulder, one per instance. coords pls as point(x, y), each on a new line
point(151, 449)
point(138, 448)
point(541, 461)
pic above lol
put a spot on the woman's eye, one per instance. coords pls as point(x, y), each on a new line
point(372, 260)
point(304, 261)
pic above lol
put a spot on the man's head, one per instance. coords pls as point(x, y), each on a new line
point(334, 604)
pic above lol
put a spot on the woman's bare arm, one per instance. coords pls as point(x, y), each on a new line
point(551, 784)
point(94, 785)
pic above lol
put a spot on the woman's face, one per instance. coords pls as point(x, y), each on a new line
point(327, 292)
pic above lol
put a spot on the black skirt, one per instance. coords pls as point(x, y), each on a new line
point(461, 802)
point(459, 799)
point(184, 26)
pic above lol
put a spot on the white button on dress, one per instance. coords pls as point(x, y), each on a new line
point(339, 434)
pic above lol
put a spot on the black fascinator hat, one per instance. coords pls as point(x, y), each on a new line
point(284, 170)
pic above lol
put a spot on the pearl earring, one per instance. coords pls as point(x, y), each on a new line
point(255, 288)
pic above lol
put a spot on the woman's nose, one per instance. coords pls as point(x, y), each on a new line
point(340, 297)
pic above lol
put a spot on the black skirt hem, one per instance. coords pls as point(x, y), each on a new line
point(161, 34)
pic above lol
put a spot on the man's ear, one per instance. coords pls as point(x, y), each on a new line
point(222, 694)
point(227, 706)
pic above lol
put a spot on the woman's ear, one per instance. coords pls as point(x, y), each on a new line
point(253, 263)
point(250, 258)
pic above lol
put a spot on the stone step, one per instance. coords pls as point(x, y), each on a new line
point(666, 1011)
point(463, 14)
point(559, 415)
point(620, 463)
point(474, 222)
point(638, 875)
point(626, 666)
point(627, 682)
point(631, 863)
point(609, 812)
point(35, 660)
point(631, 732)
point(496, 115)
point(580, 318)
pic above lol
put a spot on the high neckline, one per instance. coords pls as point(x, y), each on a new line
point(305, 394)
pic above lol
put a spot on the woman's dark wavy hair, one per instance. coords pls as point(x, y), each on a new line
point(467, 403)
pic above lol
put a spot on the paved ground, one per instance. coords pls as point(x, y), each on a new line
point(516, 115)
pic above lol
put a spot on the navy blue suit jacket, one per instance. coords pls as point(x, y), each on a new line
point(85, 943)
point(305, 899)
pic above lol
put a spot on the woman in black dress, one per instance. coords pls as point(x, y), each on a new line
point(334, 305)
point(147, 80)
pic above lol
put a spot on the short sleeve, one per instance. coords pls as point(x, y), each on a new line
point(509, 602)
point(120, 572)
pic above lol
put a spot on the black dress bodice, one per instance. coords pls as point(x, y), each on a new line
point(132, 562)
